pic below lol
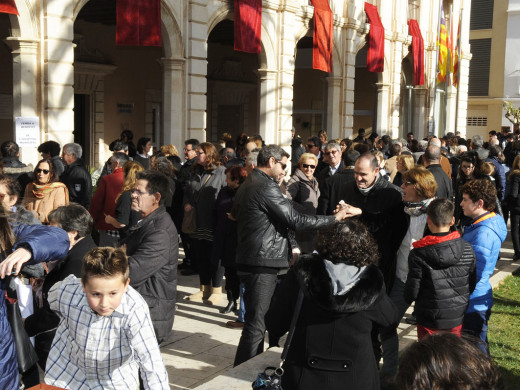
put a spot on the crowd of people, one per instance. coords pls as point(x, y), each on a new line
point(363, 227)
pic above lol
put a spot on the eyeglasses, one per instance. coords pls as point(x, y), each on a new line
point(138, 193)
point(309, 166)
point(187, 150)
point(45, 171)
point(333, 152)
point(310, 146)
point(199, 153)
point(467, 167)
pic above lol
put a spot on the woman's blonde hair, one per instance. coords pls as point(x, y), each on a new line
point(305, 156)
point(422, 180)
point(130, 170)
point(169, 150)
point(407, 160)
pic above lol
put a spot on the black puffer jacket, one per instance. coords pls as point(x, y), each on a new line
point(441, 276)
point(263, 217)
point(78, 182)
point(152, 247)
point(332, 345)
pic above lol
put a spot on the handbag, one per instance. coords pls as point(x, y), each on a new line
point(189, 221)
point(271, 378)
point(25, 353)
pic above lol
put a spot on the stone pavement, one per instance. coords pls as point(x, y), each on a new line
point(201, 350)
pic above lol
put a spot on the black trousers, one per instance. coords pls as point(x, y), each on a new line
point(209, 274)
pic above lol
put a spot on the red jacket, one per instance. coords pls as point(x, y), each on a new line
point(104, 200)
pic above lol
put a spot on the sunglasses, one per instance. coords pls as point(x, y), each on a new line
point(284, 166)
point(45, 171)
point(334, 152)
point(310, 146)
point(309, 166)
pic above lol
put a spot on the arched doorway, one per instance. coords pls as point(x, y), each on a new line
point(6, 82)
point(365, 96)
point(115, 87)
point(233, 87)
point(309, 93)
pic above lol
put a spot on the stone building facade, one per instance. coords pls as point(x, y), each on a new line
point(59, 62)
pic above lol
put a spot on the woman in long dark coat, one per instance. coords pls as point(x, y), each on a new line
point(344, 296)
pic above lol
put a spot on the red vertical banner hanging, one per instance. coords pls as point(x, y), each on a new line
point(138, 23)
point(376, 40)
point(322, 36)
point(418, 52)
point(248, 26)
point(8, 7)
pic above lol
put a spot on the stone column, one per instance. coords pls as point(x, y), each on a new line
point(26, 91)
point(334, 107)
point(267, 100)
point(173, 101)
point(382, 123)
point(58, 73)
point(197, 52)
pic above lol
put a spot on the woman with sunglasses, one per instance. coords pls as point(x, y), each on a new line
point(303, 189)
point(45, 193)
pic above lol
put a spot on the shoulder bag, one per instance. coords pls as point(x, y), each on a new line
point(271, 378)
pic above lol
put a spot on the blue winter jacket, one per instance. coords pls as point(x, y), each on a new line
point(46, 243)
point(485, 236)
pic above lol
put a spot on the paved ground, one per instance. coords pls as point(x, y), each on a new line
point(201, 350)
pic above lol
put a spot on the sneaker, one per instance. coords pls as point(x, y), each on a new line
point(235, 324)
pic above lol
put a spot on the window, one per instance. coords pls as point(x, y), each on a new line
point(480, 121)
point(481, 14)
point(479, 67)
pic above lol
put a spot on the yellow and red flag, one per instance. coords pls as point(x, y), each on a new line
point(442, 41)
point(456, 59)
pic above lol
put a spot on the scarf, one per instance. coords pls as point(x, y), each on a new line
point(41, 191)
point(417, 208)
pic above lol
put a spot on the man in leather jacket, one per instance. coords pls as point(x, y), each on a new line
point(264, 217)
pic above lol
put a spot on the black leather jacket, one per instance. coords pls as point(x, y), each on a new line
point(264, 216)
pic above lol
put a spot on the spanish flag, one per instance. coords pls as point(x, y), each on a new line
point(442, 41)
point(8, 7)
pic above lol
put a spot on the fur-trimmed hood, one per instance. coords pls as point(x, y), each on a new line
point(317, 286)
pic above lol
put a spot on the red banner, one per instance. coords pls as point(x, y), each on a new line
point(8, 7)
point(138, 23)
point(248, 26)
point(418, 52)
point(376, 40)
point(322, 36)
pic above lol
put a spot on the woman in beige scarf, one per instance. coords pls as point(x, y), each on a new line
point(45, 193)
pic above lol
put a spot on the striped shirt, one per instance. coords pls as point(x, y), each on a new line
point(91, 351)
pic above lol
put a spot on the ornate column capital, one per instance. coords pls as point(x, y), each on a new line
point(20, 45)
point(172, 63)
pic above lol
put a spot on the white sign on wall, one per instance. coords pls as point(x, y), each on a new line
point(28, 131)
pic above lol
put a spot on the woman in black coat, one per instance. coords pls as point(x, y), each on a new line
point(344, 296)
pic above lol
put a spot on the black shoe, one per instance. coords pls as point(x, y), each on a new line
point(231, 306)
point(188, 272)
point(186, 263)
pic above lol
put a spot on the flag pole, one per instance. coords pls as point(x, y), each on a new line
point(459, 60)
point(437, 69)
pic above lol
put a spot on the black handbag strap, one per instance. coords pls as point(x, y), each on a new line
point(294, 319)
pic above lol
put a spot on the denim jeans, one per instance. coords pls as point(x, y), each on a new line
point(389, 338)
point(259, 289)
point(242, 309)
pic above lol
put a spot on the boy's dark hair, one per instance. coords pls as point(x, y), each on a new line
point(157, 182)
point(105, 262)
point(51, 147)
point(9, 149)
point(481, 189)
point(72, 217)
point(446, 361)
point(441, 211)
